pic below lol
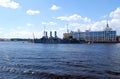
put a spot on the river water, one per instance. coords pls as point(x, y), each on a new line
point(23, 60)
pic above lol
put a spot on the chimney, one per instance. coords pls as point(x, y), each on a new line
point(46, 34)
point(50, 33)
point(55, 34)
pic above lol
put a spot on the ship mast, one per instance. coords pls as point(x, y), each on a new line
point(44, 31)
point(107, 24)
point(67, 29)
point(33, 37)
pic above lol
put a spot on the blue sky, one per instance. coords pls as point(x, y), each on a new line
point(20, 18)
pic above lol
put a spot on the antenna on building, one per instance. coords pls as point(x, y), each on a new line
point(107, 24)
point(107, 27)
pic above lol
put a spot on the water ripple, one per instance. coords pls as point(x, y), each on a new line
point(116, 73)
point(43, 74)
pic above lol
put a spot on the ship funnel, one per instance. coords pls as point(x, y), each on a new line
point(55, 34)
point(46, 34)
point(50, 33)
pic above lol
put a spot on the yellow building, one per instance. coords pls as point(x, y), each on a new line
point(118, 38)
point(67, 35)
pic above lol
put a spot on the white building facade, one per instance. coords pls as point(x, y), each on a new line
point(108, 35)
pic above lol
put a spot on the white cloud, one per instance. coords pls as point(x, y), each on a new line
point(62, 29)
point(115, 14)
point(23, 34)
point(9, 4)
point(29, 24)
point(88, 24)
point(114, 23)
point(54, 7)
point(1, 30)
point(49, 23)
point(115, 19)
point(69, 18)
point(96, 26)
point(104, 17)
point(74, 17)
point(74, 24)
point(86, 19)
point(32, 12)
